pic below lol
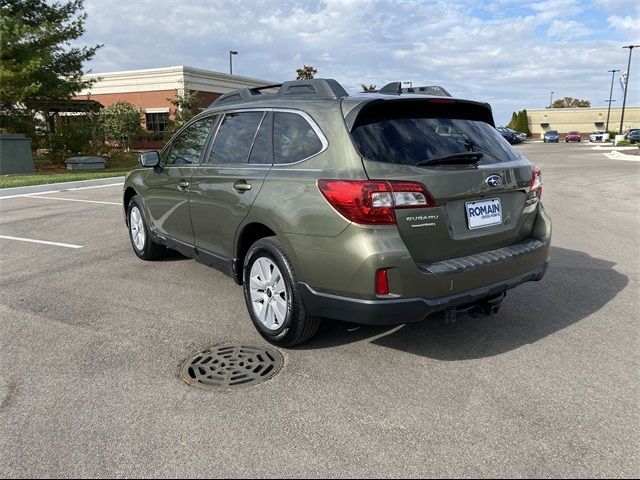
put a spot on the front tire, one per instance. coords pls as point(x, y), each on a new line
point(139, 234)
point(272, 296)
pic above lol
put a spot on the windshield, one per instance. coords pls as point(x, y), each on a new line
point(410, 141)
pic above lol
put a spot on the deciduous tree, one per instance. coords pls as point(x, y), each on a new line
point(120, 123)
point(570, 102)
point(184, 108)
point(307, 72)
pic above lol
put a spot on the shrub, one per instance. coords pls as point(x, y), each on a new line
point(120, 123)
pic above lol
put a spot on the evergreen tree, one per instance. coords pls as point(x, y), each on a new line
point(523, 122)
point(37, 63)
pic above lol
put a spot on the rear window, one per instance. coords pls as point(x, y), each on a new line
point(408, 141)
point(293, 138)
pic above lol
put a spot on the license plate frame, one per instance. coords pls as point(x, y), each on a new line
point(483, 213)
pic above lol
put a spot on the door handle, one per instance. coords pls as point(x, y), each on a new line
point(183, 185)
point(242, 186)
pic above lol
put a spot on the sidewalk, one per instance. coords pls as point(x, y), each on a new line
point(32, 189)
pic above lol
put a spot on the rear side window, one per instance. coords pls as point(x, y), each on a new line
point(234, 138)
point(294, 139)
point(408, 141)
point(187, 146)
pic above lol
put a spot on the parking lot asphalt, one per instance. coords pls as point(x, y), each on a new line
point(92, 340)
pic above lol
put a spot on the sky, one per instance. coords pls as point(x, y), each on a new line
point(509, 53)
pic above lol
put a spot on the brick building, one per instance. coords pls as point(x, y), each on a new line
point(152, 89)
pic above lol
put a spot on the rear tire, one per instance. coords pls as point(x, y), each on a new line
point(139, 234)
point(272, 296)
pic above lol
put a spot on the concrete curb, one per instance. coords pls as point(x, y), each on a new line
point(612, 148)
point(49, 187)
point(621, 156)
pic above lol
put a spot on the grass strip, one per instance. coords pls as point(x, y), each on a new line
point(9, 181)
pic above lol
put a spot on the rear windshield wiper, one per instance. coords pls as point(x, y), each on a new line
point(463, 158)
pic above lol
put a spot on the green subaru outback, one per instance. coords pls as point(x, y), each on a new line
point(376, 208)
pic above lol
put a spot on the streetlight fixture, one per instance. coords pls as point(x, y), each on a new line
point(613, 73)
point(551, 101)
point(231, 52)
point(626, 87)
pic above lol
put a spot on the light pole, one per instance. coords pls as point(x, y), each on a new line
point(613, 73)
point(551, 101)
point(626, 87)
point(231, 52)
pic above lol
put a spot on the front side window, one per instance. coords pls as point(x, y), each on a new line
point(186, 148)
point(294, 139)
point(261, 151)
point(234, 138)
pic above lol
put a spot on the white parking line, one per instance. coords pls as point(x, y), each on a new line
point(61, 190)
point(74, 200)
point(56, 244)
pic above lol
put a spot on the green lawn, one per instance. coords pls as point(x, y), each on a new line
point(118, 164)
point(8, 181)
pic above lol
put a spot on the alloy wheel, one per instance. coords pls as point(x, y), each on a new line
point(268, 293)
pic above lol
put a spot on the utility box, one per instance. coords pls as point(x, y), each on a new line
point(85, 163)
point(15, 154)
point(618, 139)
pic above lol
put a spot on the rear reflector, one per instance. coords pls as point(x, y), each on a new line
point(372, 202)
point(382, 282)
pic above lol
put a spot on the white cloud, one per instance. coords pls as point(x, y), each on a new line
point(504, 53)
point(567, 29)
point(627, 25)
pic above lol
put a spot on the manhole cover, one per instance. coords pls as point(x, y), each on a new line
point(230, 366)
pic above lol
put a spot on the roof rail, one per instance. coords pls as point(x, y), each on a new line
point(395, 88)
point(317, 89)
point(242, 94)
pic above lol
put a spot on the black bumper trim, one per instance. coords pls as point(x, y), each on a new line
point(406, 310)
point(464, 264)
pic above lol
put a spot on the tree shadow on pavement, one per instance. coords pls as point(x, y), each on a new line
point(576, 285)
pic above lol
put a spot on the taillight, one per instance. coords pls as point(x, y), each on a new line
point(536, 183)
point(372, 202)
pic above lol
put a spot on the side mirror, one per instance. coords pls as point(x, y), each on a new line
point(149, 159)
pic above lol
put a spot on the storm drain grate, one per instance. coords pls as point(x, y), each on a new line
point(230, 366)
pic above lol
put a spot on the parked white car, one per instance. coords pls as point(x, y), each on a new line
point(598, 136)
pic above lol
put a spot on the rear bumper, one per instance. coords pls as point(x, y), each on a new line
point(406, 310)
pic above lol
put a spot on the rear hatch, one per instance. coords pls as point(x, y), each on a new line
point(480, 186)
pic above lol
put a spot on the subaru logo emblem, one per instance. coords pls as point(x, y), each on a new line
point(494, 181)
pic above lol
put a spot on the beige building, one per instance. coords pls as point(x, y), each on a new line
point(583, 120)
